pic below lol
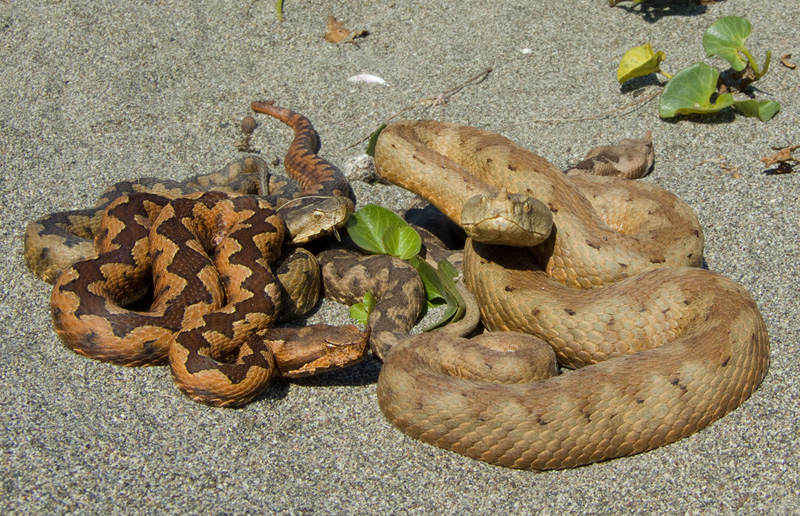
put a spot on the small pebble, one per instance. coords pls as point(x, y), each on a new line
point(249, 125)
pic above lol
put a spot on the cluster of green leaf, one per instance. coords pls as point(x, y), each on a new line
point(378, 230)
point(698, 89)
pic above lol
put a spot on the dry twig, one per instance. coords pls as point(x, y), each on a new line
point(436, 100)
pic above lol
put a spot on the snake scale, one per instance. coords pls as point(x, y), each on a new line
point(661, 348)
point(208, 255)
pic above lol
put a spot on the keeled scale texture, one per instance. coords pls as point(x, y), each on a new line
point(674, 348)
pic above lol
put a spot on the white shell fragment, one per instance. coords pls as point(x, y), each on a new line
point(360, 168)
point(369, 79)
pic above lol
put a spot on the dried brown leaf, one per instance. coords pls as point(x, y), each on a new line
point(336, 31)
point(784, 155)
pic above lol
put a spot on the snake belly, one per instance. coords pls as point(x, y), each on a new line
point(661, 347)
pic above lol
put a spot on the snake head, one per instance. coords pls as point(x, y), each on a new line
point(506, 219)
point(316, 348)
point(309, 218)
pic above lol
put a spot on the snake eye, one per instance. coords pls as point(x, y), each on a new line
point(318, 214)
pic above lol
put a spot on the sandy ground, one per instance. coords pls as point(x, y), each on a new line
point(92, 92)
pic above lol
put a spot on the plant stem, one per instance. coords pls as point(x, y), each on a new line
point(279, 9)
point(766, 63)
point(752, 62)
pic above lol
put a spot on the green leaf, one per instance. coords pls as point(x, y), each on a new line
point(440, 288)
point(402, 241)
point(763, 109)
point(448, 270)
point(367, 226)
point(638, 62)
point(373, 140)
point(447, 274)
point(434, 290)
point(725, 38)
point(690, 92)
point(456, 307)
point(448, 315)
point(361, 311)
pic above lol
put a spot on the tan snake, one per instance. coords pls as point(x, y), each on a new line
point(662, 348)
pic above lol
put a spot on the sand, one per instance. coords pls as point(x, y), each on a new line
point(92, 92)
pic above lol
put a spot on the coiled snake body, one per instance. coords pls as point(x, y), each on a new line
point(663, 348)
point(210, 252)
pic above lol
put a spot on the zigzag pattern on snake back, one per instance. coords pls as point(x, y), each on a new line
point(397, 288)
point(319, 207)
point(185, 235)
point(317, 176)
point(214, 293)
point(663, 349)
point(396, 285)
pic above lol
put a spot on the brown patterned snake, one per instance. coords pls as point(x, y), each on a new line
point(661, 347)
point(208, 257)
